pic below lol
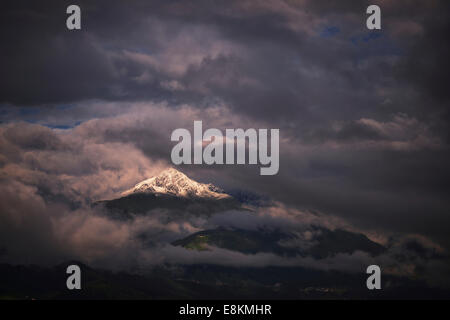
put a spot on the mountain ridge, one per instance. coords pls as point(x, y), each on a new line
point(175, 183)
point(326, 243)
point(170, 190)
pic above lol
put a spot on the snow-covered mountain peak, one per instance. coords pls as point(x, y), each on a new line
point(175, 183)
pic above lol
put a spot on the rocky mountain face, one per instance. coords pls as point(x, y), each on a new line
point(175, 183)
point(170, 190)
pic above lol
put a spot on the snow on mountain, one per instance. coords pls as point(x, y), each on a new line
point(175, 183)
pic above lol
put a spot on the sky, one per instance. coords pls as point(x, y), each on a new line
point(363, 114)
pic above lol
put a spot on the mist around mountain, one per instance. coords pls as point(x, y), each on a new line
point(170, 237)
point(327, 243)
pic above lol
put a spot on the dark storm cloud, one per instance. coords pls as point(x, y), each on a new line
point(116, 55)
point(428, 68)
point(264, 58)
point(44, 63)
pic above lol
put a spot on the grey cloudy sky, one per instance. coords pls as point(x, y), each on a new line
point(363, 115)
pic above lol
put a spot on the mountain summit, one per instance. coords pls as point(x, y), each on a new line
point(175, 183)
point(173, 191)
